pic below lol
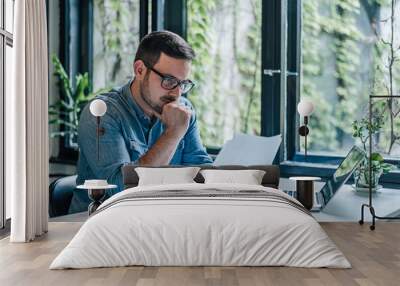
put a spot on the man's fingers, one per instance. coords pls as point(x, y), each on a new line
point(185, 108)
point(172, 103)
point(188, 111)
point(175, 106)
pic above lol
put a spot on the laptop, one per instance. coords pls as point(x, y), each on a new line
point(355, 156)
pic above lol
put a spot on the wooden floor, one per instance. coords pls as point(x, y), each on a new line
point(375, 257)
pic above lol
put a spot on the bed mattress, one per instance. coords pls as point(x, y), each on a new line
point(201, 225)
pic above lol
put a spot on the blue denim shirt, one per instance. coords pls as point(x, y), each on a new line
point(129, 134)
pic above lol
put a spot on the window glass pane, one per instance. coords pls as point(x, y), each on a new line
point(386, 140)
point(115, 40)
point(149, 19)
point(226, 36)
point(346, 51)
point(9, 15)
point(8, 89)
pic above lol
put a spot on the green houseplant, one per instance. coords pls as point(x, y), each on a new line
point(384, 83)
point(65, 112)
point(361, 130)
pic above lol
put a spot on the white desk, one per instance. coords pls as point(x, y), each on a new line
point(346, 205)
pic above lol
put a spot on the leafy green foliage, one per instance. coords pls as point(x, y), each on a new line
point(65, 112)
point(239, 105)
point(199, 33)
point(346, 55)
point(249, 66)
point(363, 129)
point(332, 33)
point(115, 38)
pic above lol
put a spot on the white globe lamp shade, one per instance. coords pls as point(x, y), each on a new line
point(305, 107)
point(98, 107)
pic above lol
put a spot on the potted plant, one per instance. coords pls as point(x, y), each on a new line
point(361, 130)
point(65, 112)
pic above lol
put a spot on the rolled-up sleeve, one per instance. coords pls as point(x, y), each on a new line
point(194, 152)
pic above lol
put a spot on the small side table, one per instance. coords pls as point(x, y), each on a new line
point(96, 194)
point(305, 190)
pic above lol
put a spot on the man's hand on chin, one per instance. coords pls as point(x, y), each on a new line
point(176, 119)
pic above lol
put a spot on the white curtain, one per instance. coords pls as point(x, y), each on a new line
point(27, 124)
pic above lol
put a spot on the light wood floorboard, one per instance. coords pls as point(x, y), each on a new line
point(374, 255)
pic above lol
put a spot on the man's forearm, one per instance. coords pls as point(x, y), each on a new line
point(162, 151)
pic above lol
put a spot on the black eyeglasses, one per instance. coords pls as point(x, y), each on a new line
point(170, 82)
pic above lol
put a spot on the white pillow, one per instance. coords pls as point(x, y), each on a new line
point(249, 177)
point(166, 176)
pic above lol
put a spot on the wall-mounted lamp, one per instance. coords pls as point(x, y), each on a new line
point(97, 188)
point(305, 109)
point(98, 108)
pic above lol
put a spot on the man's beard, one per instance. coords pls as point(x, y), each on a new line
point(145, 95)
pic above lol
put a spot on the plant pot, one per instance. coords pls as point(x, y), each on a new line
point(362, 179)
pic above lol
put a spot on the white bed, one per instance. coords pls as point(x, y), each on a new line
point(245, 225)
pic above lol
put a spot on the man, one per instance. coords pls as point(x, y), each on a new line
point(147, 121)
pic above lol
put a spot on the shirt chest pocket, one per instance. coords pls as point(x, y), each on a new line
point(137, 149)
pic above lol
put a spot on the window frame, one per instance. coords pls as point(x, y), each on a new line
point(143, 18)
point(83, 48)
point(75, 58)
point(273, 87)
point(270, 41)
point(170, 15)
point(281, 91)
point(175, 17)
point(316, 165)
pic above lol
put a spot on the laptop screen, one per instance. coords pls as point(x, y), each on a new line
point(341, 175)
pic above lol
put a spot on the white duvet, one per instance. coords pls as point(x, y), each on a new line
point(200, 231)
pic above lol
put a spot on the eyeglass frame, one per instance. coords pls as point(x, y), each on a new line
point(164, 77)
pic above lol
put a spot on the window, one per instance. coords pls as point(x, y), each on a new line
point(341, 53)
point(98, 37)
point(345, 50)
point(228, 93)
point(115, 40)
point(226, 36)
point(6, 65)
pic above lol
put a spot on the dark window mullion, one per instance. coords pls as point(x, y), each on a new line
point(293, 80)
point(175, 17)
point(87, 41)
point(76, 53)
point(143, 18)
point(271, 60)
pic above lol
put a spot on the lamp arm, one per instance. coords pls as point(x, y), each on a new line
point(98, 137)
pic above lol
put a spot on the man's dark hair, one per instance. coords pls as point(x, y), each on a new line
point(155, 43)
